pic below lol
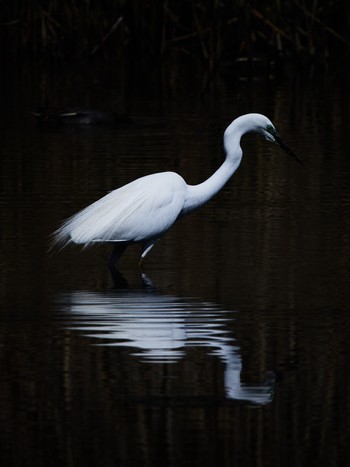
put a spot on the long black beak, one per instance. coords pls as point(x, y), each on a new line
point(286, 148)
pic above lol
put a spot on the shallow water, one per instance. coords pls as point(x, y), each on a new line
point(234, 349)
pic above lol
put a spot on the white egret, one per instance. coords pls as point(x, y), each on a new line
point(143, 210)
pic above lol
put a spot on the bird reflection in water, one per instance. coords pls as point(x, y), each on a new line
point(159, 328)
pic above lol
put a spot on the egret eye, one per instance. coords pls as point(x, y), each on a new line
point(270, 129)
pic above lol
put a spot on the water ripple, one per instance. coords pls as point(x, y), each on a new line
point(160, 328)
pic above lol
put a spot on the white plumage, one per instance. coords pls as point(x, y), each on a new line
point(143, 210)
point(120, 215)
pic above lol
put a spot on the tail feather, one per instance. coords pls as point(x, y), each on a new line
point(102, 221)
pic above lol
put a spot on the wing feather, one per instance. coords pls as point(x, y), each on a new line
point(140, 210)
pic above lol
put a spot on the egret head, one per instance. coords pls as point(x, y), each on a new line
point(256, 123)
point(270, 133)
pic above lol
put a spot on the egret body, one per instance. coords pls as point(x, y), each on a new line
point(143, 210)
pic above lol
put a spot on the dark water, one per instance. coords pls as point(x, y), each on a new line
point(238, 354)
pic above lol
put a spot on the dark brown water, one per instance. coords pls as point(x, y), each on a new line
point(238, 355)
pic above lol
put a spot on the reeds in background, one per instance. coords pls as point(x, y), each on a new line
point(215, 30)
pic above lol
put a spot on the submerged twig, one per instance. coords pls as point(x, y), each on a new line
point(106, 36)
point(324, 25)
point(268, 23)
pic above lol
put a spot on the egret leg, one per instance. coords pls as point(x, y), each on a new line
point(119, 280)
point(147, 282)
point(146, 248)
point(118, 250)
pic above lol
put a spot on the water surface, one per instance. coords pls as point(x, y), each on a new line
point(234, 349)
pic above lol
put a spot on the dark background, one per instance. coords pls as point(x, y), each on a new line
point(267, 259)
point(220, 33)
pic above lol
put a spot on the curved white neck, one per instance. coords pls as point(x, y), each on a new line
point(197, 195)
